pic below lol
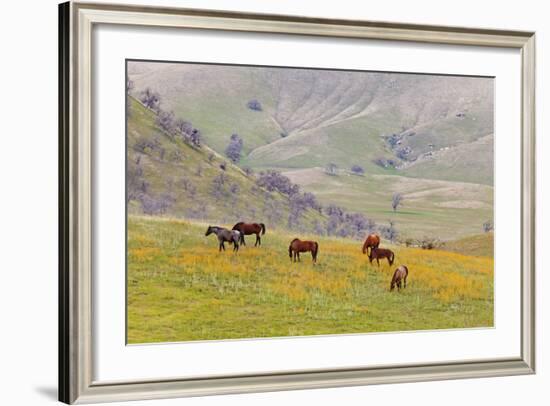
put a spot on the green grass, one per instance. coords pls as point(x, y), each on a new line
point(335, 117)
point(195, 169)
point(431, 208)
point(180, 288)
point(480, 245)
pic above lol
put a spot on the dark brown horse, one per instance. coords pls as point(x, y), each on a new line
point(372, 241)
point(297, 246)
point(377, 253)
point(250, 228)
point(399, 275)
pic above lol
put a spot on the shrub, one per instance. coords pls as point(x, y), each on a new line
point(254, 105)
point(357, 170)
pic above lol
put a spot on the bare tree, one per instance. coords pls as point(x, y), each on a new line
point(129, 88)
point(389, 232)
point(357, 170)
point(396, 200)
point(331, 168)
point(150, 99)
point(274, 180)
point(166, 121)
point(234, 149)
point(185, 127)
point(254, 105)
point(196, 138)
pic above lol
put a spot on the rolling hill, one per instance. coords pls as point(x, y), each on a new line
point(427, 137)
point(168, 176)
point(311, 117)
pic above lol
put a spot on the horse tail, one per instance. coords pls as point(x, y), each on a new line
point(316, 249)
point(290, 251)
point(365, 247)
point(263, 228)
point(392, 258)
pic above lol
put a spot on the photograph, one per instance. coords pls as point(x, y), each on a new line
point(267, 201)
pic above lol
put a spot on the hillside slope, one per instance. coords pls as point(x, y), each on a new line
point(166, 175)
point(311, 117)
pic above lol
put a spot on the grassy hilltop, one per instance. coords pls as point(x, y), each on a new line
point(180, 288)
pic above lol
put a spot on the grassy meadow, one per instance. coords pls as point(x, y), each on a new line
point(180, 288)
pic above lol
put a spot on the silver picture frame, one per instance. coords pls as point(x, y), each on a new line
point(76, 22)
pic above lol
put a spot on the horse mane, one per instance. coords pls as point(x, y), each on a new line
point(240, 223)
point(296, 239)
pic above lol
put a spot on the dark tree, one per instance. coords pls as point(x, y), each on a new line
point(234, 149)
point(254, 105)
point(358, 170)
point(150, 99)
point(196, 138)
point(396, 200)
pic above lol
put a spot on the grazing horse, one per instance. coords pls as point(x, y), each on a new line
point(372, 241)
point(223, 234)
point(250, 228)
point(377, 253)
point(297, 246)
point(399, 275)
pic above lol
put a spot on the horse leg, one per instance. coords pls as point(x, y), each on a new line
point(220, 247)
point(243, 242)
point(223, 245)
point(256, 243)
point(405, 281)
point(378, 262)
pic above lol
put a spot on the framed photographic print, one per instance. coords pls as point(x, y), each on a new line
point(262, 202)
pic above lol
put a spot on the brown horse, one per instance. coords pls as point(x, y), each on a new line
point(372, 241)
point(377, 253)
point(248, 229)
point(297, 246)
point(399, 275)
